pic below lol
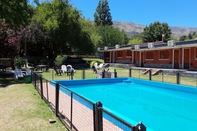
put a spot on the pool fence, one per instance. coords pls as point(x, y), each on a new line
point(76, 112)
point(79, 114)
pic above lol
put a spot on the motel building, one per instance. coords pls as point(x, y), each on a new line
point(172, 55)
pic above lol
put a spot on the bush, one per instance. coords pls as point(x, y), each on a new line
point(19, 61)
point(59, 60)
point(92, 63)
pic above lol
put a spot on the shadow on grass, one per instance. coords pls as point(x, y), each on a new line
point(6, 82)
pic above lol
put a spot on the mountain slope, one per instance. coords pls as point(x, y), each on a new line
point(133, 28)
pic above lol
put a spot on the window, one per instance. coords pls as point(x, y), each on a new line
point(119, 53)
point(164, 54)
point(149, 55)
point(128, 53)
point(106, 54)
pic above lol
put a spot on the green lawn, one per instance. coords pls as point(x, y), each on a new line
point(22, 109)
point(122, 72)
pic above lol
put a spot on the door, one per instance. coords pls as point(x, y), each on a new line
point(142, 59)
point(176, 59)
point(186, 58)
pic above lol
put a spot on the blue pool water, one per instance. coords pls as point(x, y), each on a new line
point(160, 106)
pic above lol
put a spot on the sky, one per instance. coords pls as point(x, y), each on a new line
point(145, 12)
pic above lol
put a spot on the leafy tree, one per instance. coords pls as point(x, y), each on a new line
point(136, 39)
point(190, 36)
point(19, 61)
point(183, 38)
point(9, 42)
point(194, 34)
point(32, 39)
point(61, 23)
point(156, 32)
point(102, 16)
point(111, 36)
point(15, 12)
point(174, 38)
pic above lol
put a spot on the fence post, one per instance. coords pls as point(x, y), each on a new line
point(83, 74)
point(178, 78)
point(52, 74)
point(98, 117)
point(115, 73)
point(57, 87)
point(35, 79)
point(31, 76)
point(71, 74)
point(150, 75)
point(130, 73)
point(103, 74)
point(41, 87)
point(140, 127)
point(162, 76)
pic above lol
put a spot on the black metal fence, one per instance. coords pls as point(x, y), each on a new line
point(168, 76)
point(80, 114)
point(76, 112)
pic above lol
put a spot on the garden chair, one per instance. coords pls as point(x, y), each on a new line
point(57, 71)
point(28, 72)
point(70, 70)
point(18, 73)
point(64, 68)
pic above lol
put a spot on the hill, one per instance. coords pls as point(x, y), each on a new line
point(133, 28)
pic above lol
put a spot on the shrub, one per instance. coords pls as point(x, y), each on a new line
point(59, 60)
point(19, 61)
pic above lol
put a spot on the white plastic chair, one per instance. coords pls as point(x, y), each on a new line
point(28, 72)
point(64, 68)
point(18, 73)
point(69, 68)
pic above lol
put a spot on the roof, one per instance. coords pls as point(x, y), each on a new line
point(159, 45)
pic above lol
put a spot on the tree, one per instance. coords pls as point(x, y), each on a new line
point(61, 23)
point(190, 36)
point(9, 42)
point(111, 36)
point(183, 38)
point(156, 32)
point(102, 16)
point(32, 39)
point(15, 12)
point(136, 39)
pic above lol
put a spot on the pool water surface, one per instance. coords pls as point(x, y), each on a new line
point(160, 106)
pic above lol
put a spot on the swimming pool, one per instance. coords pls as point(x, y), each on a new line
point(160, 106)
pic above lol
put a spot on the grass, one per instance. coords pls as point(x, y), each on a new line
point(50, 75)
point(23, 109)
point(122, 72)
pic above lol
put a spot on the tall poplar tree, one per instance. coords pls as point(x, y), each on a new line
point(102, 16)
